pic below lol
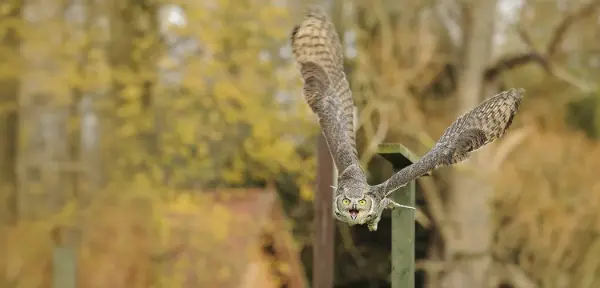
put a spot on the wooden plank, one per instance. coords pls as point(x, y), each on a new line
point(403, 237)
point(323, 248)
point(64, 257)
point(65, 267)
point(403, 220)
point(323, 251)
point(397, 154)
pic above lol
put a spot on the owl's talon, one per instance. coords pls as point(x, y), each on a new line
point(372, 227)
point(392, 204)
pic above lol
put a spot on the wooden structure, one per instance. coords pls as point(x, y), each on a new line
point(64, 257)
point(323, 244)
point(403, 220)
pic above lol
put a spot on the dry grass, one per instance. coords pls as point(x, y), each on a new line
point(547, 204)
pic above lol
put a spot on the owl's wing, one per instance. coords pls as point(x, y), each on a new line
point(318, 52)
point(475, 129)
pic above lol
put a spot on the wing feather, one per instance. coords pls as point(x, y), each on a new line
point(479, 127)
point(318, 52)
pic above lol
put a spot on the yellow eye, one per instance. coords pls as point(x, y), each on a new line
point(362, 202)
point(346, 201)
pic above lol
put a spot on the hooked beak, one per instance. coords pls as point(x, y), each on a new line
point(353, 212)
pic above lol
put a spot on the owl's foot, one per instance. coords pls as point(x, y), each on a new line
point(391, 204)
point(372, 227)
point(386, 204)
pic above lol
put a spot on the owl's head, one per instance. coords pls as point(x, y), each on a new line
point(354, 204)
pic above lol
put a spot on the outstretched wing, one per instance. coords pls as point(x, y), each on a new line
point(317, 50)
point(475, 129)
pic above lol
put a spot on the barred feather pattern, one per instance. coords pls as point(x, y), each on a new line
point(481, 126)
point(318, 52)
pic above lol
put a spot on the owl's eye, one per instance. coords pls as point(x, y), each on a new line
point(346, 201)
point(362, 202)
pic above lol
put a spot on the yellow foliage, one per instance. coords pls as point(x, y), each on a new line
point(133, 129)
point(307, 193)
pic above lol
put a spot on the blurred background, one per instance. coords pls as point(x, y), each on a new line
point(154, 143)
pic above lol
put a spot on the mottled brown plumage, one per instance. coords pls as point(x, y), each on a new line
point(317, 51)
point(481, 126)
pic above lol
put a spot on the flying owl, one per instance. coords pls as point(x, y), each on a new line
point(318, 54)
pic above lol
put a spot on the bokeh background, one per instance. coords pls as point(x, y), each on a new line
point(154, 143)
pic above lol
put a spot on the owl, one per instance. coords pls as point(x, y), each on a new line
point(317, 52)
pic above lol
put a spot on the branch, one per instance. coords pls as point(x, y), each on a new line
point(564, 75)
point(552, 68)
point(515, 275)
point(167, 255)
point(378, 138)
point(422, 219)
point(566, 23)
point(514, 61)
point(507, 146)
point(348, 244)
point(433, 266)
point(436, 208)
point(543, 58)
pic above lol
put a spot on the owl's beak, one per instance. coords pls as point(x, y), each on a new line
point(353, 212)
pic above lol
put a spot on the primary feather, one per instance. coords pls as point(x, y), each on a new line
point(318, 52)
point(481, 126)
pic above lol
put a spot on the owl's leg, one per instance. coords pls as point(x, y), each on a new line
point(387, 203)
point(373, 226)
point(391, 204)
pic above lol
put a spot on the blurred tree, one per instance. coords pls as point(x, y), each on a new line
point(43, 153)
point(229, 90)
point(9, 124)
point(468, 209)
point(134, 48)
point(9, 113)
point(125, 99)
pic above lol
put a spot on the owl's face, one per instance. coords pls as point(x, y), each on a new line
point(353, 209)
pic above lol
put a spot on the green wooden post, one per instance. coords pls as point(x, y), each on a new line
point(65, 267)
point(64, 258)
point(403, 220)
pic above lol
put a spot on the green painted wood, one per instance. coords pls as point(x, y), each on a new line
point(65, 267)
point(403, 220)
point(64, 257)
point(397, 154)
point(403, 238)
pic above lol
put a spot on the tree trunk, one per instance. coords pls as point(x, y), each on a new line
point(9, 122)
point(468, 202)
point(9, 129)
point(43, 122)
point(86, 141)
point(133, 51)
